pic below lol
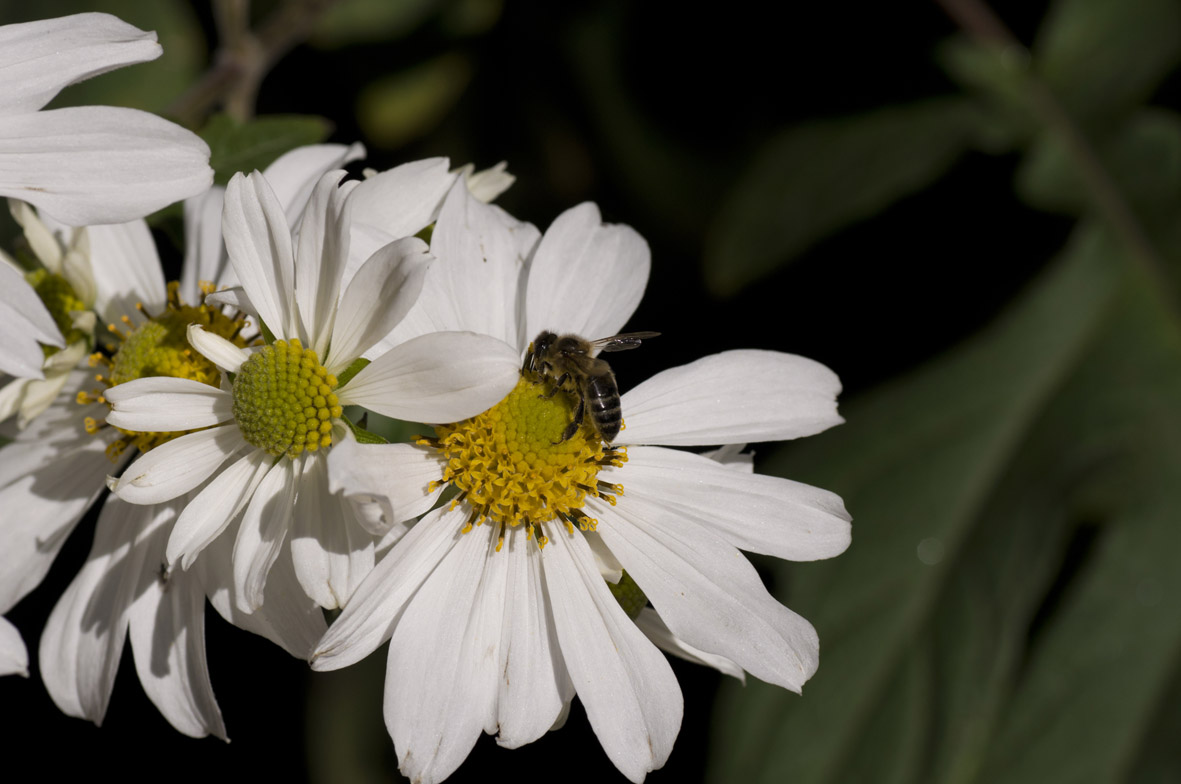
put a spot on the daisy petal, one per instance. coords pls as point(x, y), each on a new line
point(205, 255)
point(757, 513)
point(332, 553)
point(167, 630)
point(655, 630)
point(258, 241)
point(375, 606)
point(399, 202)
point(441, 377)
point(394, 475)
point(127, 270)
point(165, 405)
point(86, 165)
point(178, 466)
point(294, 174)
point(217, 349)
point(263, 531)
point(627, 687)
point(84, 636)
point(377, 298)
point(708, 594)
point(441, 678)
point(287, 617)
point(27, 323)
point(320, 259)
point(14, 659)
point(732, 397)
point(534, 686)
point(214, 508)
point(37, 59)
point(587, 277)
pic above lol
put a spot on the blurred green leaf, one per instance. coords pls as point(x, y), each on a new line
point(366, 21)
point(967, 486)
point(1102, 57)
point(255, 144)
point(998, 78)
point(1144, 159)
point(149, 86)
point(398, 108)
point(820, 177)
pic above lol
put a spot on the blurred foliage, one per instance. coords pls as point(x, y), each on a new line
point(1007, 609)
point(245, 146)
point(396, 109)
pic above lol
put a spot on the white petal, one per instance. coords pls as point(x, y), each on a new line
point(708, 593)
point(441, 676)
point(287, 617)
point(127, 270)
point(331, 551)
point(627, 687)
point(83, 639)
point(294, 174)
point(214, 508)
point(217, 349)
point(52, 485)
point(534, 687)
point(732, 397)
point(394, 475)
point(14, 659)
point(377, 298)
point(263, 532)
point(37, 59)
point(167, 405)
point(258, 240)
point(655, 630)
point(398, 203)
point(234, 296)
point(35, 396)
point(489, 183)
point(369, 618)
point(441, 377)
point(320, 260)
point(760, 514)
point(178, 466)
point(167, 630)
point(205, 253)
point(26, 323)
point(99, 164)
point(587, 277)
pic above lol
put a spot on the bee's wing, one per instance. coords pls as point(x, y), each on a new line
point(622, 342)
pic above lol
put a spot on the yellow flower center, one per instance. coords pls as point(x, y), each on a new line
point(61, 301)
point(160, 346)
point(512, 467)
point(283, 400)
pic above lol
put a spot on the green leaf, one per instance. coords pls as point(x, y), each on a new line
point(353, 369)
point(255, 144)
point(401, 107)
point(819, 177)
point(1102, 58)
point(972, 483)
point(361, 21)
point(362, 435)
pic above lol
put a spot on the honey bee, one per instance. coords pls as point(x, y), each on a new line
point(569, 361)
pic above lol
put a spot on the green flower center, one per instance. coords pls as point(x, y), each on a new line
point(61, 301)
point(283, 400)
point(510, 465)
point(160, 346)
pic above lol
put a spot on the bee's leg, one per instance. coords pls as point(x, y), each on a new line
point(557, 385)
point(576, 423)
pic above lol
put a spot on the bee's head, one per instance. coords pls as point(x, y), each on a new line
point(538, 349)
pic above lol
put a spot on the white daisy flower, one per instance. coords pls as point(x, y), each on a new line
point(56, 467)
point(29, 325)
point(260, 441)
point(89, 164)
point(490, 632)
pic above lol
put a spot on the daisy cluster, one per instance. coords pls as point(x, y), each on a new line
point(544, 537)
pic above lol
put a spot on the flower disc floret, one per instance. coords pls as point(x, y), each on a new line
point(284, 400)
point(512, 467)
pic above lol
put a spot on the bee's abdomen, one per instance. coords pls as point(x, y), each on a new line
point(603, 401)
